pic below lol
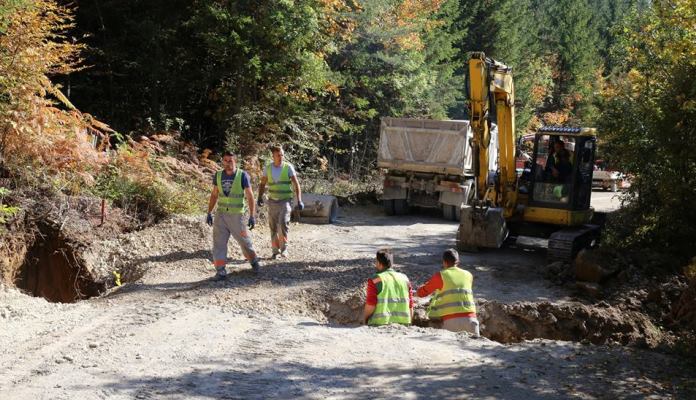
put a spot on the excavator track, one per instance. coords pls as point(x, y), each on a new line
point(565, 244)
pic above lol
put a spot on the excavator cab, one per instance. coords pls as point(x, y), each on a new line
point(561, 176)
point(562, 168)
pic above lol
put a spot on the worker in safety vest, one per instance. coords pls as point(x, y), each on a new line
point(281, 178)
point(232, 193)
point(453, 301)
point(389, 294)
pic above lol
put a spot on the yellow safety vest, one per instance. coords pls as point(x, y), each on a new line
point(456, 295)
point(281, 189)
point(393, 301)
point(234, 202)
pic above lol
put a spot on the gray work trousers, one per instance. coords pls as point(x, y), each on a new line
point(224, 225)
point(279, 222)
point(469, 324)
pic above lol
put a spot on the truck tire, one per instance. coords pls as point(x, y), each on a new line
point(400, 207)
point(388, 206)
point(457, 213)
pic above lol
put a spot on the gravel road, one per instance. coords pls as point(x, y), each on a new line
point(172, 333)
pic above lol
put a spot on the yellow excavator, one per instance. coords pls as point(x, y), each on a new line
point(546, 204)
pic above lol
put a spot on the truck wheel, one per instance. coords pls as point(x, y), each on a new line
point(614, 186)
point(400, 207)
point(457, 213)
point(388, 207)
point(448, 212)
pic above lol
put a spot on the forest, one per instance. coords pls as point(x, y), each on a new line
point(140, 260)
point(317, 76)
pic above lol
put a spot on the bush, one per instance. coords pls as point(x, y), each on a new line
point(135, 182)
point(5, 210)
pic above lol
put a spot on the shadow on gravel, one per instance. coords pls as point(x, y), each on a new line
point(174, 257)
point(393, 221)
point(533, 371)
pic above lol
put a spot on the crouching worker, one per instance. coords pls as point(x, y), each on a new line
point(453, 301)
point(389, 294)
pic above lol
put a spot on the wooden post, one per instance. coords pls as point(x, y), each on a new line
point(103, 211)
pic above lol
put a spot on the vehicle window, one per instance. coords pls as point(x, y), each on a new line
point(554, 169)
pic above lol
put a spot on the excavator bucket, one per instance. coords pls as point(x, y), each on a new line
point(481, 227)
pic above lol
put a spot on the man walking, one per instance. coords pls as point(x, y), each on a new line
point(232, 193)
point(281, 179)
point(453, 301)
point(389, 294)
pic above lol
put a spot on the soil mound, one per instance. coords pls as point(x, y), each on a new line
point(510, 323)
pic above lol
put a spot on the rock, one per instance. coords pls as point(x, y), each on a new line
point(589, 268)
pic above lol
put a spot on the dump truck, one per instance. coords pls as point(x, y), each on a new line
point(427, 164)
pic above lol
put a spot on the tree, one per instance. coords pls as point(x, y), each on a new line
point(649, 119)
point(569, 35)
point(39, 138)
point(400, 61)
point(508, 31)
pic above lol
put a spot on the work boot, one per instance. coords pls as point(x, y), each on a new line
point(221, 274)
point(284, 253)
point(255, 266)
point(276, 254)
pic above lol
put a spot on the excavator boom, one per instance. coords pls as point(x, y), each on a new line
point(483, 221)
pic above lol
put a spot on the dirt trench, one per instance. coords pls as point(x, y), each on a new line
point(520, 321)
point(54, 268)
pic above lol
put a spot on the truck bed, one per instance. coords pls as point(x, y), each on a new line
point(427, 146)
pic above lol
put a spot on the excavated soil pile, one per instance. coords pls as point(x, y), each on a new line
point(346, 308)
point(511, 323)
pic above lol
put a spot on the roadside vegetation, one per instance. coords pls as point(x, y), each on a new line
point(119, 99)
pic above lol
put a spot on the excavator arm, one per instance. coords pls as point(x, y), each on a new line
point(491, 82)
point(483, 222)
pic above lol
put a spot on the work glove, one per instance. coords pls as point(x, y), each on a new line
point(259, 201)
point(252, 223)
point(300, 205)
point(209, 219)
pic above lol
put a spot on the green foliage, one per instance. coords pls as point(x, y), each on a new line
point(508, 31)
point(6, 211)
point(649, 119)
point(136, 183)
point(344, 188)
point(570, 36)
point(318, 74)
point(395, 65)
